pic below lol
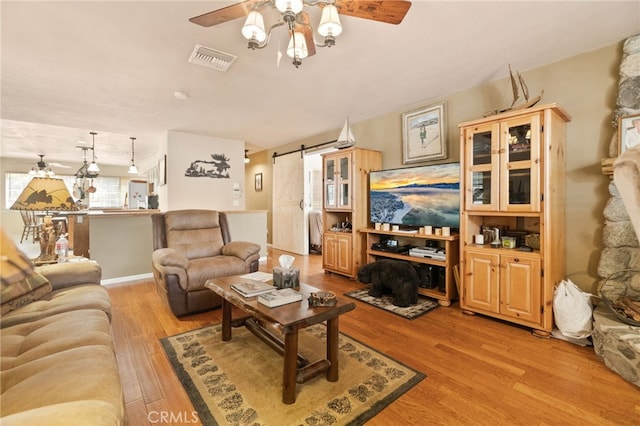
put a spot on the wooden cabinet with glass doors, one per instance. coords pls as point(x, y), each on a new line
point(345, 178)
point(513, 177)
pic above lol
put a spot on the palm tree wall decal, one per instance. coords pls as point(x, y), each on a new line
point(218, 167)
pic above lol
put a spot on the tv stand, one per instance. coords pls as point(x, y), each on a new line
point(447, 244)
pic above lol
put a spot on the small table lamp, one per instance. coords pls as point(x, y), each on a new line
point(46, 194)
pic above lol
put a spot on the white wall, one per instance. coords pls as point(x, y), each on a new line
point(185, 192)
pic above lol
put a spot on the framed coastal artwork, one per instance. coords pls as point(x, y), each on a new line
point(628, 132)
point(424, 134)
point(258, 182)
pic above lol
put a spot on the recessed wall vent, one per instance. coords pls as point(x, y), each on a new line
point(211, 58)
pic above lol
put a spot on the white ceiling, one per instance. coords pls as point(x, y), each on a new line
point(72, 67)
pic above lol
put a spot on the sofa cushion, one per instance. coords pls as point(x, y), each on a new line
point(194, 233)
point(23, 292)
point(169, 257)
point(26, 342)
point(88, 296)
point(87, 373)
point(70, 274)
point(14, 264)
point(241, 249)
point(76, 413)
point(208, 268)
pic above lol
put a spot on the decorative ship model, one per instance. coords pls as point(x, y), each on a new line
point(346, 139)
point(528, 103)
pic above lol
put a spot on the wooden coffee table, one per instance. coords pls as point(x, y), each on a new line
point(267, 322)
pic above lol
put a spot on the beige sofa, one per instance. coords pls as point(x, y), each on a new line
point(58, 364)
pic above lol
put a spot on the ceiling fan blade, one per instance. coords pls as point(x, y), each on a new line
point(62, 166)
point(388, 11)
point(304, 27)
point(225, 14)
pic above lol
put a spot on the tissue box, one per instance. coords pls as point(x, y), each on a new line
point(286, 278)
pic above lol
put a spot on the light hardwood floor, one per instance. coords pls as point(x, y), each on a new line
point(480, 371)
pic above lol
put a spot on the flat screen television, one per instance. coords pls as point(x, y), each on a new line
point(416, 196)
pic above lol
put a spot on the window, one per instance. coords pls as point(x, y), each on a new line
point(109, 194)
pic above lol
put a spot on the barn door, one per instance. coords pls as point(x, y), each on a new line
point(290, 227)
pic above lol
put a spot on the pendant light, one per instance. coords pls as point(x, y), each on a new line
point(132, 168)
point(247, 160)
point(93, 167)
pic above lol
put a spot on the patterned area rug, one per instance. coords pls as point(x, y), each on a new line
point(239, 382)
point(423, 306)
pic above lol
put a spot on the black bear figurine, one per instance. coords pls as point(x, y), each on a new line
point(395, 277)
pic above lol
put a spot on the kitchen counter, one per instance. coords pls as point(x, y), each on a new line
point(119, 240)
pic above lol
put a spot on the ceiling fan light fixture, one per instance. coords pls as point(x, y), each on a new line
point(296, 19)
point(285, 6)
point(330, 25)
point(253, 28)
point(297, 48)
point(43, 169)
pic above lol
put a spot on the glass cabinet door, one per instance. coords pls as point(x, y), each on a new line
point(345, 193)
point(481, 155)
point(330, 183)
point(520, 164)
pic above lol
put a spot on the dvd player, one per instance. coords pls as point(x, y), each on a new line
point(428, 253)
point(392, 249)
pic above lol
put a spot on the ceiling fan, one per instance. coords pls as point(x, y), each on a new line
point(45, 168)
point(302, 43)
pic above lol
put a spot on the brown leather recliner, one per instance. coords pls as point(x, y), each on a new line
point(191, 247)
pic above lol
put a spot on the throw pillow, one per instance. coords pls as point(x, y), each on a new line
point(23, 292)
point(15, 265)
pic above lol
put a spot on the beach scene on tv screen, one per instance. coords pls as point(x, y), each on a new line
point(416, 196)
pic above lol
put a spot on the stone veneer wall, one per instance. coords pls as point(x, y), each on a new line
point(615, 342)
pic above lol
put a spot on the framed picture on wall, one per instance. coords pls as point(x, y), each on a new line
point(628, 132)
point(424, 134)
point(162, 170)
point(258, 182)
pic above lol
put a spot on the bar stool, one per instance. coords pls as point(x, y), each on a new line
point(31, 225)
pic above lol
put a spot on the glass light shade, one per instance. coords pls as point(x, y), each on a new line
point(133, 169)
point(330, 22)
point(294, 5)
point(93, 167)
point(254, 27)
point(297, 48)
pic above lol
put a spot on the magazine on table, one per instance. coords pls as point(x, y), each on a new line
point(258, 276)
point(280, 297)
point(250, 288)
